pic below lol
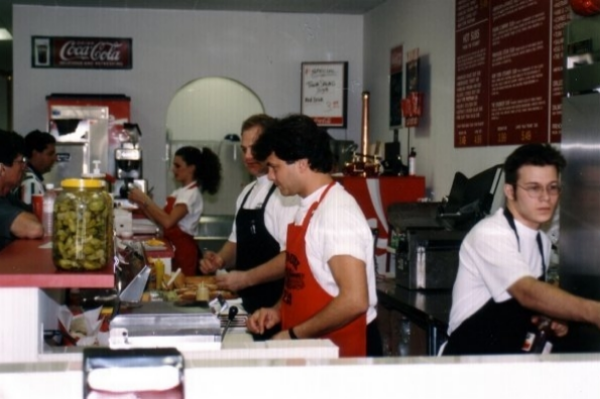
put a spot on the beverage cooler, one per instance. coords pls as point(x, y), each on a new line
point(87, 128)
point(579, 241)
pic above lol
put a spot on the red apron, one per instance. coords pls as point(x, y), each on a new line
point(186, 250)
point(303, 297)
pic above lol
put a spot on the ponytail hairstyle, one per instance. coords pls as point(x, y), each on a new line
point(208, 166)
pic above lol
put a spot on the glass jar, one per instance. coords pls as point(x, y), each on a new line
point(82, 231)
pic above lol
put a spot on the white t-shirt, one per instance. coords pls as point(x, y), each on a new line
point(191, 197)
point(31, 185)
point(490, 261)
point(338, 227)
point(279, 211)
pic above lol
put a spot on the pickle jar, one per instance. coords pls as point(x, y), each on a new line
point(82, 228)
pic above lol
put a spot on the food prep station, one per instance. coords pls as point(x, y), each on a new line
point(31, 285)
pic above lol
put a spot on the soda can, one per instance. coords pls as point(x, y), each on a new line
point(37, 202)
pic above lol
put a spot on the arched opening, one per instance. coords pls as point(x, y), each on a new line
point(201, 114)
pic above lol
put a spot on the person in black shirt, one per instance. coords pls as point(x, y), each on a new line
point(16, 219)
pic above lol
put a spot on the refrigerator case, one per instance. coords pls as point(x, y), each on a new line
point(579, 237)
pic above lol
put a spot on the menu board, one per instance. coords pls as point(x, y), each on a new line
point(561, 16)
point(508, 71)
point(471, 99)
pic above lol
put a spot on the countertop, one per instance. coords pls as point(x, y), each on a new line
point(425, 307)
point(24, 264)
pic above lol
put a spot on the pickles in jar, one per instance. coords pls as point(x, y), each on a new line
point(81, 230)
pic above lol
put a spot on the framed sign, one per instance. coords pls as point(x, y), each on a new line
point(396, 65)
point(324, 92)
point(81, 52)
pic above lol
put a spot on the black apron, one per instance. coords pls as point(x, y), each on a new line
point(496, 328)
point(255, 246)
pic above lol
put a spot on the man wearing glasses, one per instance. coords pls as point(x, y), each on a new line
point(16, 219)
point(500, 293)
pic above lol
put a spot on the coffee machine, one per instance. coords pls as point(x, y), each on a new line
point(128, 164)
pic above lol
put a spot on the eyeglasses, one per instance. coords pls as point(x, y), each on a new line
point(21, 161)
point(537, 191)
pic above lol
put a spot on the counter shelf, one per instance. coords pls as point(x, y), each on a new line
point(31, 291)
point(25, 264)
point(428, 309)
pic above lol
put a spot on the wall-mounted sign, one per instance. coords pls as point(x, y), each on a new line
point(324, 92)
point(396, 66)
point(81, 52)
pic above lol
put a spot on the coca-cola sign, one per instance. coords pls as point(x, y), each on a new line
point(81, 52)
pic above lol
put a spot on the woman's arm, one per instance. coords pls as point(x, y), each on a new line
point(155, 212)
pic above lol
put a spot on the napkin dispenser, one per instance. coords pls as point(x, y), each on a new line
point(123, 221)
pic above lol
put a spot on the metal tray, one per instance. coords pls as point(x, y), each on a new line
point(161, 324)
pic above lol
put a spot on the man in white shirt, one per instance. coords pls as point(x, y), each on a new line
point(255, 250)
point(40, 151)
point(329, 289)
point(500, 293)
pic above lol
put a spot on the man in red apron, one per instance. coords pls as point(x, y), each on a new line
point(262, 216)
point(329, 288)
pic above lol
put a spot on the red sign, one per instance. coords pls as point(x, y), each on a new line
point(81, 52)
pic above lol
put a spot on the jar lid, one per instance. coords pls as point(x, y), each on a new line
point(82, 183)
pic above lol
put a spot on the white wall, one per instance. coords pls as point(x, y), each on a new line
point(428, 25)
point(264, 52)
point(171, 48)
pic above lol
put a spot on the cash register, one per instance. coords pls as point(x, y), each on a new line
point(429, 234)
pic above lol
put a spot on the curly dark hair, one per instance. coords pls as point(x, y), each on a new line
point(532, 154)
point(12, 144)
point(293, 138)
point(208, 166)
point(38, 141)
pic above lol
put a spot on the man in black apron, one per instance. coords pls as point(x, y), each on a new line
point(255, 249)
point(500, 285)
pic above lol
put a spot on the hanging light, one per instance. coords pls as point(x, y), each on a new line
point(5, 34)
point(585, 7)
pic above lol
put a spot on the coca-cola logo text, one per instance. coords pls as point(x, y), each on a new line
point(81, 52)
point(100, 51)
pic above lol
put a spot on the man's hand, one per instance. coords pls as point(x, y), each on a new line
point(233, 281)
point(281, 335)
point(210, 262)
point(558, 327)
point(263, 319)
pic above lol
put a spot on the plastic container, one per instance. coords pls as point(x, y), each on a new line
point(82, 232)
point(49, 198)
point(412, 162)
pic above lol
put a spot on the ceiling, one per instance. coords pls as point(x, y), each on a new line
point(356, 7)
